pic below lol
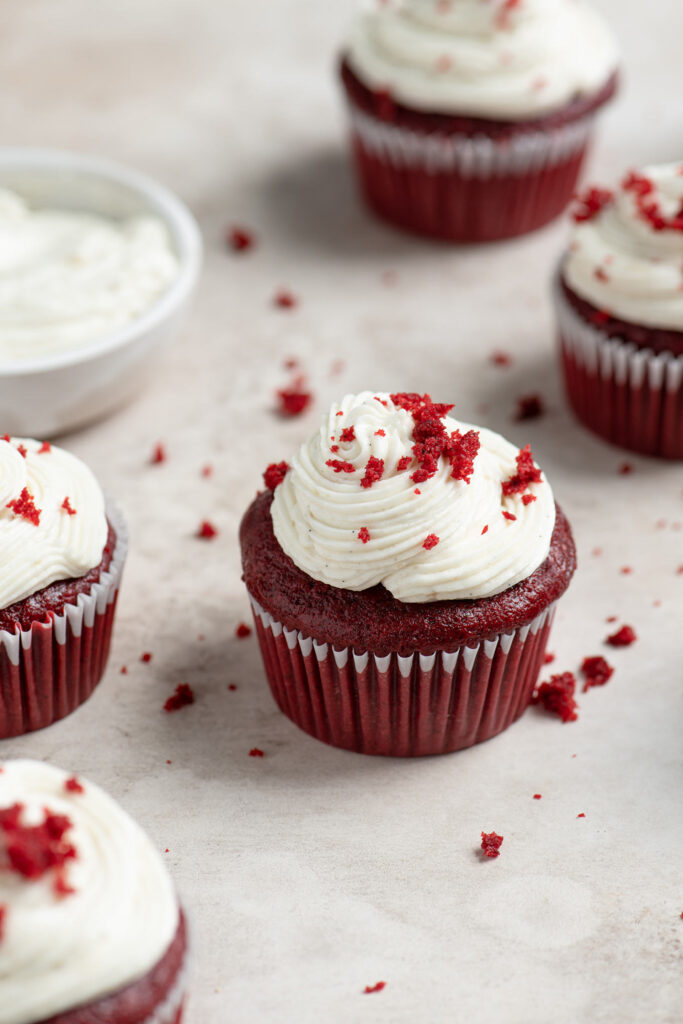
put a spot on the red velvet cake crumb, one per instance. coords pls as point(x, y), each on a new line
point(255, 752)
point(528, 498)
point(206, 530)
point(625, 468)
point(72, 785)
point(340, 466)
point(33, 850)
point(403, 463)
point(430, 542)
point(597, 671)
point(582, 815)
point(275, 474)
point(537, 796)
point(548, 659)
point(45, 448)
point(293, 401)
point(364, 534)
point(529, 407)
point(183, 696)
point(432, 440)
point(240, 239)
point(61, 887)
point(66, 505)
point(500, 358)
point(379, 985)
point(22, 451)
point(284, 299)
point(380, 433)
point(124, 670)
point(242, 631)
point(206, 471)
point(623, 637)
point(232, 687)
point(146, 657)
point(24, 507)
point(648, 207)
point(557, 696)
point(509, 515)
point(349, 434)
point(626, 570)
point(485, 530)
point(373, 471)
point(491, 843)
point(590, 203)
point(158, 454)
point(527, 473)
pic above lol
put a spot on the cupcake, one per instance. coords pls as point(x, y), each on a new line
point(403, 574)
point(90, 927)
point(62, 552)
point(470, 118)
point(619, 301)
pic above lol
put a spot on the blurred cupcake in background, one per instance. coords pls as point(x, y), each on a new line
point(403, 573)
point(470, 118)
point(619, 301)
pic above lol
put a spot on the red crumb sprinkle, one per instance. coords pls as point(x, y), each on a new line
point(242, 631)
point(206, 530)
point(240, 239)
point(625, 468)
point(66, 505)
point(590, 203)
point(537, 796)
point(548, 659)
point(611, 618)
point(626, 570)
point(601, 275)
point(364, 534)
point(380, 433)
point(284, 299)
point(373, 471)
point(232, 686)
point(22, 451)
point(379, 985)
point(430, 542)
point(432, 440)
point(146, 657)
point(348, 434)
point(72, 785)
point(206, 471)
point(124, 670)
point(500, 358)
point(33, 850)
point(596, 552)
point(509, 515)
point(340, 413)
point(528, 498)
point(293, 401)
point(597, 671)
point(182, 698)
point(582, 815)
point(403, 463)
point(485, 530)
point(557, 696)
point(527, 473)
point(648, 207)
point(340, 466)
point(158, 454)
point(334, 448)
point(275, 474)
point(255, 752)
point(623, 637)
point(417, 491)
point(24, 507)
point(529, 407)
point(491, 843)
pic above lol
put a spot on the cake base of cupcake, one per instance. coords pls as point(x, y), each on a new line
point(628, 394)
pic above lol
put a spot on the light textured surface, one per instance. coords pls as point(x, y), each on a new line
point(313, 872)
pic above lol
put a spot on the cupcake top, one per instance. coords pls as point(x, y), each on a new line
point(626, 252)
point(86, 904)
point(500, 59)
point(52, 518)
point(392, 490)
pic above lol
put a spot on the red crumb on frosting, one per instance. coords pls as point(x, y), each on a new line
point(557, 696)
point(430, 542)
point(417, 491)
point(485, 530)
point(22, 450)
point(242, 631)
point(491, 843)
point(158, 454)
point(380, 433)
point(340, 413)
point(256, 752)
point(33, 850)
point(66, 505)
point(529, 407)
point(364, 534)
point(528, 498)
point(500, 358)
point(182, 698)
point(548, 658)
point(72, 785)
point(373, 471)
point(61, 887)
point(334, 448)
point(339, 466)
point(590, 203)
point(284, 299)
point(275, 474)
point(596, 670)
point(206, 530)
point(623, 637)
point(509, 515)
point(146, 657)
point(379, 985)
point(432, 440)
point(527, 473)
point(240, 239)
point(348, 434)
point(45, 448)
point(24, 507)
point(643, 190)
point(601, 275)
point(293, 401)
point(403, 463)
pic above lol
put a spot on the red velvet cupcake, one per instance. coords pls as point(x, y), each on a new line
point(90, 927)
point(403, 574)
point(619, 301)
point(62, 554)
point(470, 120)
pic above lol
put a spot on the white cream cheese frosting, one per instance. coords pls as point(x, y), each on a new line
point(486, 540)
point(627, 258)
point(498, 59)
point(59, 952)
point(68, 278)
point(42, 539)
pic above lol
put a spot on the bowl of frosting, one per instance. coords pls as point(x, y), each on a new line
point(98, 264)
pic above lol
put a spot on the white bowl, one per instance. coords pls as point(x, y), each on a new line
point(45, 397)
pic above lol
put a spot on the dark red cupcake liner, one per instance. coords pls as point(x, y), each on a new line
point(397, 705)
point(467, 188)
point(49, 670)
point(628, 395)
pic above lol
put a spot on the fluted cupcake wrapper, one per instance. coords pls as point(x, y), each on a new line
point(467, 188)
point(630, 396)
point(49, 670)
point(402, 705)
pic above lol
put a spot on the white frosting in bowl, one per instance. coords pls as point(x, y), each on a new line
point(321, 515)
point(507, 59)
point(59, 952)
point(68, 278)
point(627, 259)
point(41, 541)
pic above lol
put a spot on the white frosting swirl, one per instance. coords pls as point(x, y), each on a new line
point(317, 513)
point(622, 264)
point(483, 58)
point(59, 953)
point(67, 278)
point(61, 546)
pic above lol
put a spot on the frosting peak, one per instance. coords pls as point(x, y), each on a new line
point(626, 253)
point(392, 490)
point(509, 59)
